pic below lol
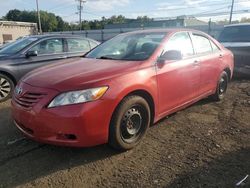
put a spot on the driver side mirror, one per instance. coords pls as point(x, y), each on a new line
point(171, 55)
point(31, 54)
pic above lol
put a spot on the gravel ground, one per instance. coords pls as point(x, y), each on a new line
point(205, 145)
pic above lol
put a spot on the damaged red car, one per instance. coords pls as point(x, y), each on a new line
point(115, 92)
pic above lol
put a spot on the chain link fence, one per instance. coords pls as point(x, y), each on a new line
point(105, 34)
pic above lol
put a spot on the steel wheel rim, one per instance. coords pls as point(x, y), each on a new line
point(132, 123)
point(5, 88)
point(222, 85)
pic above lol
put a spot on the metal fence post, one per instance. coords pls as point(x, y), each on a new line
point(102, 35)
point(209, 26)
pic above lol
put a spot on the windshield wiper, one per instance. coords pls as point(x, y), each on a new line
point(105, 57)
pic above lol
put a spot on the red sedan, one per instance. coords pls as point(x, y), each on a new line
point(120, 88)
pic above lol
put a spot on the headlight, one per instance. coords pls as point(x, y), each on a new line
point(75, 97)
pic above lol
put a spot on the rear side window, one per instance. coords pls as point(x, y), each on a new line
point(214, 46)
point(235, 34)
point(201, 44)
point(78, 45)
point(180, 42)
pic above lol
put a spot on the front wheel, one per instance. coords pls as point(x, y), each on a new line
point(6, 87)
point(221, 87)
point(129, 123)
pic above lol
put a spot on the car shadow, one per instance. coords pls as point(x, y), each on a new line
point(23, 161)
point(225, 171)
point(43, 160)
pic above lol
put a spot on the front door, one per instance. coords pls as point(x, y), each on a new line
point(178, 81)
point(49, 51)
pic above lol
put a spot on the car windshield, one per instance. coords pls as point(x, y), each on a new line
point(132, 47)
point(17, 45)
point(235, 34)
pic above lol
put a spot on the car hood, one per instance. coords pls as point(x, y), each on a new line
point(76, 74)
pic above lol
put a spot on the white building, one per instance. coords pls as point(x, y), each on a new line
point(10, 30)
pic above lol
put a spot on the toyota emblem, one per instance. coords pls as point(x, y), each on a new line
point(19, 90)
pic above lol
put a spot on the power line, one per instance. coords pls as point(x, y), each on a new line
point(202, 14)
point(70, 15)
point(87, 12)
point(222, 13)
point(181, 8)
point(60, 6)
point(216, 9)
point(63, 5)
point(198, 14)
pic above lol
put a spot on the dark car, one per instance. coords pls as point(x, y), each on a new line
point(237, 39)
point(122, 86)
point(5, 45)
point(32, 52)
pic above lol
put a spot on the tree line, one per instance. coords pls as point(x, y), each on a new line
point(51, 22)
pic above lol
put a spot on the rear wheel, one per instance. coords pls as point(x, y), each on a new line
point(221, 87)
point(129, 123)
point(6, 87)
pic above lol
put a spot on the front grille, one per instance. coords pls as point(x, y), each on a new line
point(28, 100)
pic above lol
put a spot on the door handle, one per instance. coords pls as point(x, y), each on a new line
point(63, 56)
point(196, 63)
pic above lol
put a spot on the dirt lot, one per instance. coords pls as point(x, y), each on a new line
point(206, 145)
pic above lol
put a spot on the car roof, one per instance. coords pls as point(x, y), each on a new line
point(241, 24)
point(58, 35)
point(168, 30)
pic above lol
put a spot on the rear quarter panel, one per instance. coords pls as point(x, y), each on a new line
point(228, 57)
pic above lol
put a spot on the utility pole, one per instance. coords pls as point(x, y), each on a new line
point(231, 13)
point(39, 19)
point(80, 12)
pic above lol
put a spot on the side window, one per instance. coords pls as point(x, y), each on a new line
point(78, 45)
point(180, 42)
point(201, 44)
point(214, 46)
point(50, 46)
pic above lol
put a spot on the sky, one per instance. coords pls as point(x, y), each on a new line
point(95, 9)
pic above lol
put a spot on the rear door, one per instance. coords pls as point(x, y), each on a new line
point(178, 81)
point(77, 47)
point(49, 51)
point(210, 58)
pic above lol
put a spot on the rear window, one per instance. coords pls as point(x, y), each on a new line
point(235, 34)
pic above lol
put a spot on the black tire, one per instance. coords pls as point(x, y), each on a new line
point(129, 123)
point(6, 87)
point(221, 87)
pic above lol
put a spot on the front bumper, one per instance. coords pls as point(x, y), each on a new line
point(80, 125)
